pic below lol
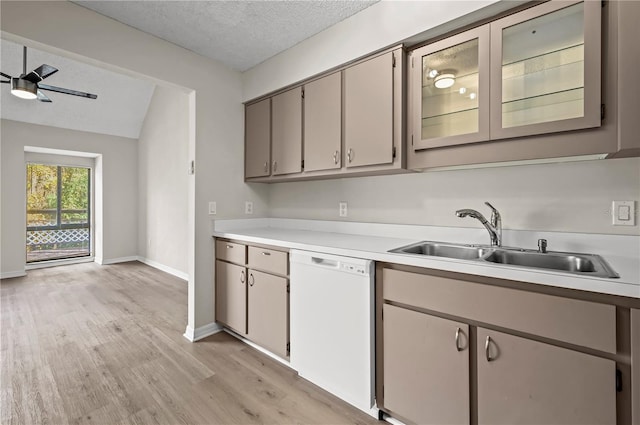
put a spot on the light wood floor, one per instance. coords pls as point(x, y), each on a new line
point(103, 345)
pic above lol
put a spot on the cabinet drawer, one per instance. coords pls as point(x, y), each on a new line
point(269, 260)
point(232, 252)
point(584, 323)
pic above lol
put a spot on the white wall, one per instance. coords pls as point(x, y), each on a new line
point(71, 30)
point(384, 24)
point(567, 197)
point(117, 213)
point(163, 152)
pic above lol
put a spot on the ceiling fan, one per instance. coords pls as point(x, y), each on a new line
point(29, 86)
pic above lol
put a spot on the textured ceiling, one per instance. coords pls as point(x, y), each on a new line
point(240, 33)
point(119, 110)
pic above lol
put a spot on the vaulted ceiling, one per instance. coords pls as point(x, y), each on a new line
point(238, 33)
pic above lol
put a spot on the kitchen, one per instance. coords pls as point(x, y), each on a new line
point(536, 201)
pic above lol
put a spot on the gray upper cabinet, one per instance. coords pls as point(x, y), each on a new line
point(451, 96)
point(287, 132)
point(368, 112)
point(546, 69)
point(323, 123)
point(257, 139)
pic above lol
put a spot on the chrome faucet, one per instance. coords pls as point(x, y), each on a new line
point(494, 228)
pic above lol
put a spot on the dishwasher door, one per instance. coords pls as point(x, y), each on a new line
point(332, 325)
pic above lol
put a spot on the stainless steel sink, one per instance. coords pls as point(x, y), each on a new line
point(568, 262)
point(438, 249)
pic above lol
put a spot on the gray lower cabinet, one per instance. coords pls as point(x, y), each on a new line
point(454, 350)
point(268, 311)
point(426, 367)
point(252, 293)
point(521, 381)
point(231, 296)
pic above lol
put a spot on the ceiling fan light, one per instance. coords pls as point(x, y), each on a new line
point(23, 89)
point(444, 81)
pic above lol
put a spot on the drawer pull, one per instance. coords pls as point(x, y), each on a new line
point(251, 279)
point(458, 347)
point(486, 349)
point(266, 253)
point(229, 246)
point(242, 276)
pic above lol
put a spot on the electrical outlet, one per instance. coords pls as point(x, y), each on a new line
point(248, 207)
point(212, 208)
point(342, 209)
point(623, 213)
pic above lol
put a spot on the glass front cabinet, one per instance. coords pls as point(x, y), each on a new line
point(533, 72)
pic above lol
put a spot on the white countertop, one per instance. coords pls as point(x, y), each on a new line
point(372, 241)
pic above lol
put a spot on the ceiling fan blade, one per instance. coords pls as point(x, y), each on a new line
point(40, 73)
point(43, 97)
point(5, 75)
point(67, 91)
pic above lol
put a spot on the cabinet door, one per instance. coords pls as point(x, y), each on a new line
point(426, 367)
point(368, 112)
point(231, 296)
point(450, 90)
point(527, 382)
point(323, 123)
point(287, 132)
point(257, 139)
point(268, 312)
point(545, 69)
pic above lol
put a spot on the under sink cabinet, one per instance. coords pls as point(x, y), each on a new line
point(252, 293)
point(456, 348)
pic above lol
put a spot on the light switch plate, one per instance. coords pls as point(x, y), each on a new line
point(623, 213)
point(342, 209)
point(212, 208)
point(248, 207)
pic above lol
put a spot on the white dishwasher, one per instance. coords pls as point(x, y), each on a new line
point(332, 325)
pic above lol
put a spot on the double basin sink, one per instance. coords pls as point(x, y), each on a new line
point(581, 264)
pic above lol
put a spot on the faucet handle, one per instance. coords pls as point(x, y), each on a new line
point(542, 246)
point(495, 215)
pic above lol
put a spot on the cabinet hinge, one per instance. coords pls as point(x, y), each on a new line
point(302, 93)
point(412, 140)
point(302, 164)
point(383, 391)
point(288, 347)
point(602, 111)
point(393, 153)
point(393, 60)
point(618, 381)
point(288, 288)
point(411, 61)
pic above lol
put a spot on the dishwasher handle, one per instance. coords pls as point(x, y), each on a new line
point(324, 262)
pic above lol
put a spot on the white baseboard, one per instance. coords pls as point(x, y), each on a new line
point(200, 332)
point(106, 261)
point(9, 275)
point(166, 269)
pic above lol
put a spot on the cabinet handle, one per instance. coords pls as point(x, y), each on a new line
point(350, 154)
point(486, 349)
point(251, 279)
point(335, 157)
point(458, 347)
point(242, 276)
point(229, 246)
point(275, 165)
point(266, 166)
point(266, 253)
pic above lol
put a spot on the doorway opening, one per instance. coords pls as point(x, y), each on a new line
point(58, 212)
